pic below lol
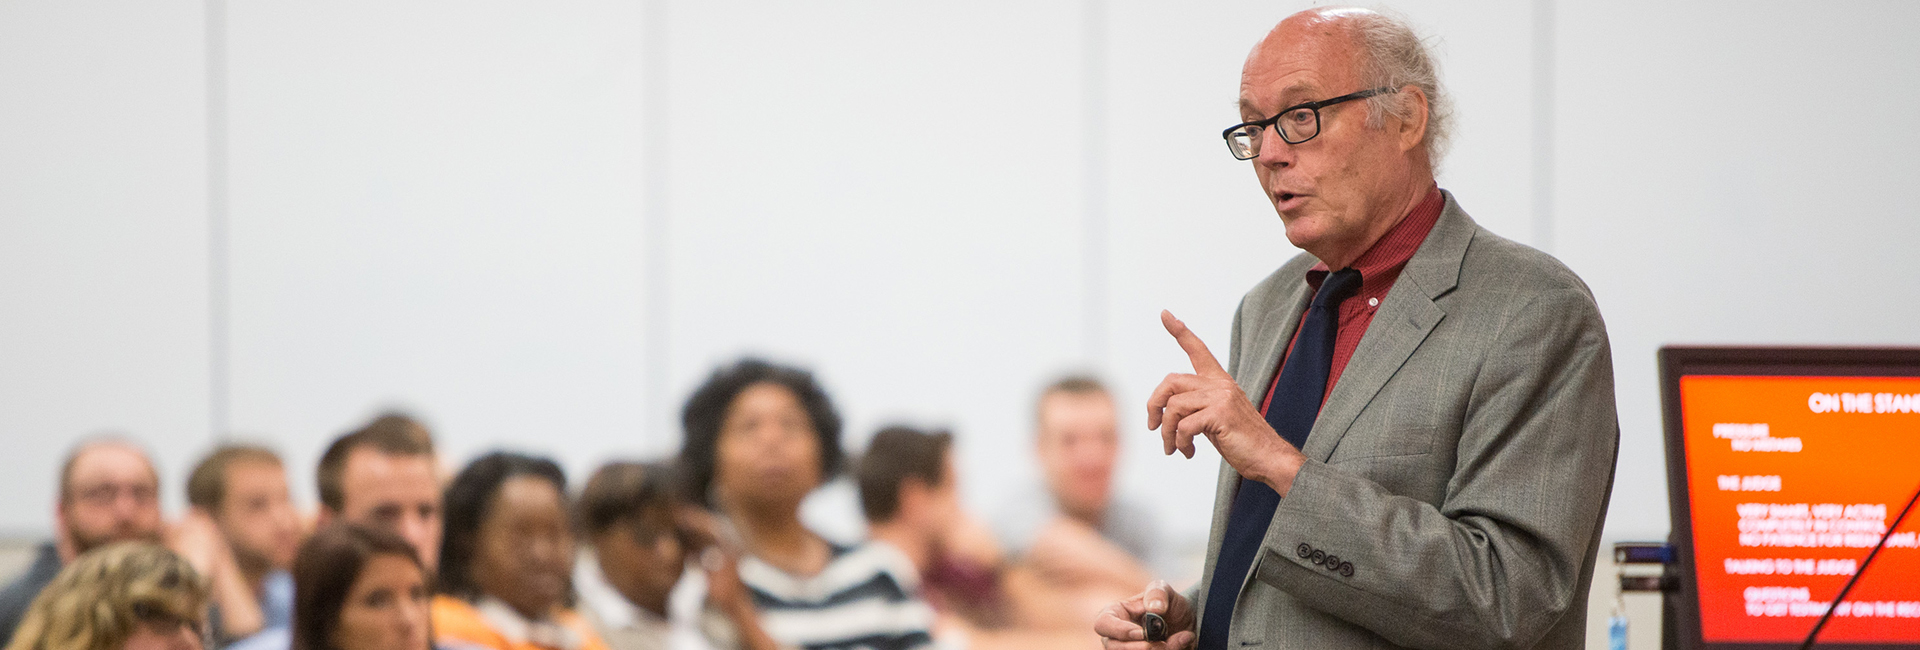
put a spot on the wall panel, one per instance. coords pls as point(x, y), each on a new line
point(103, 231)
point(438, 207)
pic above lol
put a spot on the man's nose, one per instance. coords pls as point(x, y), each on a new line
point(415, 528)
point(1274, 150)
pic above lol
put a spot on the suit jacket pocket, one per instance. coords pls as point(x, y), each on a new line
point(1393, 441)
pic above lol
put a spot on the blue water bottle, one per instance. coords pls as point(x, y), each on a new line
point(1617, 625)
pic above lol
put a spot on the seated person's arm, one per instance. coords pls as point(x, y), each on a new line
point(197, 538)
point(1071, 553)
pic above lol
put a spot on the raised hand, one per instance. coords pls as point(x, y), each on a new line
point(1209, 402)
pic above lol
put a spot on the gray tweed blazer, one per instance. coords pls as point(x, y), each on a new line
point(1458, 473)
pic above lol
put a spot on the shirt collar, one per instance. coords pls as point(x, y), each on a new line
point(519, 629)
point(1382, 262)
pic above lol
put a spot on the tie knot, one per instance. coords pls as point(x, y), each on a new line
point(1339, 286)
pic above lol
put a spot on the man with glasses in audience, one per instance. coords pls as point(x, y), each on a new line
point(1416, 417)
point(109, 492)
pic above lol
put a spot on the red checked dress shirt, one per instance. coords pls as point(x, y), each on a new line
point(1378, 267)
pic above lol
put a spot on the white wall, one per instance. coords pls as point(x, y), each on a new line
point(1766, 198)
point(438, 208)
point(446, 207)
point(103, 238)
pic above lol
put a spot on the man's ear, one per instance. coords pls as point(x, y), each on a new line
point(63, 542)
point(1413, 130)
point(323, 517)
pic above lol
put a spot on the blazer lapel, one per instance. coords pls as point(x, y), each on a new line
point(1264, 347)
point(1405, 319)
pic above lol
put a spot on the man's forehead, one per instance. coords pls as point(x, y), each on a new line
point(255, 469)
point(111, 461)
point(1302, 56)
point(1058, 405)
point(371, 464)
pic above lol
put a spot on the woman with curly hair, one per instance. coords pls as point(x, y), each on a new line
point(759, 439)
point(126, 596)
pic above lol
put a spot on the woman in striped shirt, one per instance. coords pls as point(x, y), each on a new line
point(759, 438)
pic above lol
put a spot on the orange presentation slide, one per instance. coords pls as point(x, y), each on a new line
point(1792, 480)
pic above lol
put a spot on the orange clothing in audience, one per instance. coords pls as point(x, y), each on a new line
point(494, 626)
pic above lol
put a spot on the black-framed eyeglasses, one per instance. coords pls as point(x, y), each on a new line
point(1298, 123)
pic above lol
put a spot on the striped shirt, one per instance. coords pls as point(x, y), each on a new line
point(867, 598)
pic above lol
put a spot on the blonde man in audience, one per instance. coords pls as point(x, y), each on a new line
point(125, 596)
point(109, 492)
point(1080, 536)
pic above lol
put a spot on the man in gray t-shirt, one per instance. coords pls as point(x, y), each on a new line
point(1079, 533)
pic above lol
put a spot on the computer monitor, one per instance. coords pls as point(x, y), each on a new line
point(1784, 468)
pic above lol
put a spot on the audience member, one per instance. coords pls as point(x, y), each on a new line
point(759, 438)
point(109, 492)
point(360, 588)
point(382, 475)
point(385, 474)
point(634, 559)
point(124, 596)
point(246, 533)
point(507, 559)
point(1083, 536)
point(910, 494)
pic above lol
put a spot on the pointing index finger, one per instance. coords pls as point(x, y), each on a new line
point(1203, 362)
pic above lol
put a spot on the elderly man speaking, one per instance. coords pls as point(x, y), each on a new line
point(1416, 416)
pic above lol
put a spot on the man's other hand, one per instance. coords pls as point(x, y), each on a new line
point(1119, 624)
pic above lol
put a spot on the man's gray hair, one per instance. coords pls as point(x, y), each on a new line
point(1396, 57)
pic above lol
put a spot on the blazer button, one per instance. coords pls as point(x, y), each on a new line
point(1333, 563)
point(1319, 557)
point(1304, 551)
point(1346, 569)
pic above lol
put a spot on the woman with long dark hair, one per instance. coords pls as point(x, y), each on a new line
point(359, 588)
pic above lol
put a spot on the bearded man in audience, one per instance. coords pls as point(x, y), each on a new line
point(109, 492)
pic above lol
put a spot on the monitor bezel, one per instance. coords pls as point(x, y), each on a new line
point(1679, 361)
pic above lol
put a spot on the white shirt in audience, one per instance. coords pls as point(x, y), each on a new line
point(689, 624)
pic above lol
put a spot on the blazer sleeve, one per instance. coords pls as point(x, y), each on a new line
point(1501, 559)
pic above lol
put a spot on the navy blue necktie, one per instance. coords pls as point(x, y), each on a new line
point(1296, 403)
